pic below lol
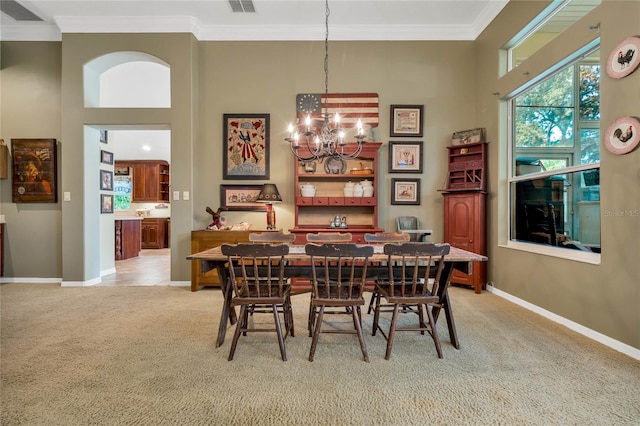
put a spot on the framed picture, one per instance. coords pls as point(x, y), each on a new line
point(245, 146)
point(406, 120)
point(106, 203)
point(106, 180)
point(241, 197)
point(106, 157)
point(405, 191)
point(35, 171)
point(103, 136)
point(405, 157)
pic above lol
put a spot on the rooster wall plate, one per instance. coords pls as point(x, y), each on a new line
point(622, 135)
point(624, 58)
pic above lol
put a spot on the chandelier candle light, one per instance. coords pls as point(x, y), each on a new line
point(329, 140)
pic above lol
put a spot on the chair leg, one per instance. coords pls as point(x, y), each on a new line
point(240, 325)
point(289, 311)
point(376, 316)
point(392, 331)
point(316, 332)
point(356, 322)
point(423, 325)
point(276, 317)
point(434, 331)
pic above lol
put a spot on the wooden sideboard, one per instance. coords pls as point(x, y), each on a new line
point(203, 240)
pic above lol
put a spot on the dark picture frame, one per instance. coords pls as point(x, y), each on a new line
point(34, 171)
point(405, 192)
point(241, 198)
point(406, 120)
point(103, 136)
point(245, 146)
point(106, 157)
point(106, 180)
point(405, 157)
point(106, 203)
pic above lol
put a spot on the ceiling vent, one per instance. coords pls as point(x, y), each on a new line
point(17, 11)
point(241, 6)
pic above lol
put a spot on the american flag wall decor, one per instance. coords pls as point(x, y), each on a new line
point(351, 107)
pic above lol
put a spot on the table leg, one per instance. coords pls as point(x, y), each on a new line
point(228, 313)
point(445, 303)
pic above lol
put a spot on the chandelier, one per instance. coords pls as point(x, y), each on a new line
point(327, 140)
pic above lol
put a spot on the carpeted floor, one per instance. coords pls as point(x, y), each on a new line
point(147, 356)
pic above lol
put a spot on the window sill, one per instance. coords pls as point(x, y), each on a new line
point(562, 253)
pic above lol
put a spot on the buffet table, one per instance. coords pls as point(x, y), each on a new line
point(213, 259)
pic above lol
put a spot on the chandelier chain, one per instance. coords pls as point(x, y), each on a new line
point(317, 144)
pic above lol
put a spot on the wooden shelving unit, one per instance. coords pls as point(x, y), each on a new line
point(465, 195)
point(467, 167)
point(314, 214)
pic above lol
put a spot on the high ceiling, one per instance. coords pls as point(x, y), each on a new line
point(272, 19)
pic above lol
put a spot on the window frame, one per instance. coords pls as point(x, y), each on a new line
point(571, 153)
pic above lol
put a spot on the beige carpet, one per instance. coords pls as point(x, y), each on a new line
point(146, 356)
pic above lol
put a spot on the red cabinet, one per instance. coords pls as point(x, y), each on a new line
point(465, 227)
point(150, 180)
point(314, 214)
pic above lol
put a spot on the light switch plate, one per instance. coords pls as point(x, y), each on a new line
point(67, 196)
point(185, 195)
point(176, 195)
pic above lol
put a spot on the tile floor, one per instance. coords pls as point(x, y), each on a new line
point(151, 267)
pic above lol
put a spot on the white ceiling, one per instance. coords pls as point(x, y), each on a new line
point(272, 20)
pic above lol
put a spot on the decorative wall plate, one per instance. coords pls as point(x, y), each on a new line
point(624, 58)
point(335, 165)
point(623, 135)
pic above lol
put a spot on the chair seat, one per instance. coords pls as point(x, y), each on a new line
point(422, 295)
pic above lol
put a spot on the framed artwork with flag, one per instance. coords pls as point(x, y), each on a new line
point(351, 107)
point(246, 146)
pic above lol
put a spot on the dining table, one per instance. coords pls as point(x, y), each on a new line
point(298, 267)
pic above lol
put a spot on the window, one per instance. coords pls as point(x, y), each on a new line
point(557, 17)
point(555, 179)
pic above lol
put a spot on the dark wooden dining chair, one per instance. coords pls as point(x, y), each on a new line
point(275, 238)
point(272, 237)
point(261, 282)
point(413, 267)
point(338, 274)
point(329, 237)
point(382, 238)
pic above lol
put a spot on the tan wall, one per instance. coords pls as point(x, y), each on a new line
point(30, 108)
point(601, 297)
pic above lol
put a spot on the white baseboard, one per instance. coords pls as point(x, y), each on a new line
point(587, 332)
point(30, 280)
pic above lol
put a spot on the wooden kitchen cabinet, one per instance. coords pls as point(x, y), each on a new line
point(150, 180)
point(127, 238)
point(314, 214)
point(465, 227)
point(154, 233)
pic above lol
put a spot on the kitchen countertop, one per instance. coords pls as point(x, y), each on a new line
point(128, 218)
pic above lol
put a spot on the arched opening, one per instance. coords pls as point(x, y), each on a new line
point(129, 80)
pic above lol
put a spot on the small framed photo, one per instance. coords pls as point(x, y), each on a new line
point(405, 192)
point(406, 120)
point(106, 157)
point(106, 203)
point(103, 136)
point(245, 152)
point(405, 157)
point(106, 180)
point(241, 197)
